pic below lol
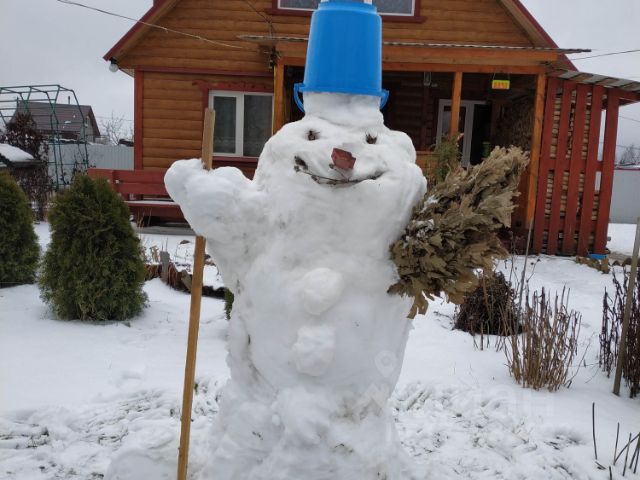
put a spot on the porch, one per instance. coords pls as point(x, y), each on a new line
point(567, 120)
point(420, 105)
point(430, 105)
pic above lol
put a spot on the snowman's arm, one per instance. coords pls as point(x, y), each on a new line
point(221, 205)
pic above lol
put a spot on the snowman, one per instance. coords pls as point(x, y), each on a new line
point(315, 340)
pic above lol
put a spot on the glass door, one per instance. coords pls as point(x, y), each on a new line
point(465, 126)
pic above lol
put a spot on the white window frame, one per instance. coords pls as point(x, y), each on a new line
point(394, 14)
point(239, 96)
point(468, 126)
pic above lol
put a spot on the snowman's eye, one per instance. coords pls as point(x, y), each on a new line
point(311, 135)
point(371, 139)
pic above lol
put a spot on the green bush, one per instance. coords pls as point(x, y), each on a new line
point(19, 248)
point(93, 269)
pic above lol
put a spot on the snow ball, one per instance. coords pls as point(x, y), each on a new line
point(321, 289)
point(314, 349)
point(305, 415)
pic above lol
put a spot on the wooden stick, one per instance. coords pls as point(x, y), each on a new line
point(194, 312)
point(626, 457)
point(615, 450)
point(635, 469)
point(627, 311)
point(593, 429)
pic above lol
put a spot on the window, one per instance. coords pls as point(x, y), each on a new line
point(243, 122)
point(385, 7)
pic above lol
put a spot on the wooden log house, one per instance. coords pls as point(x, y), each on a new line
point(440, 61)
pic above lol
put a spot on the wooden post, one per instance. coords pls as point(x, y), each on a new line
point(586, 210)
point(138, 92)
point(560, 165)
point(608, 164)
point(627, 311)
point(576, 168)
point(194, 312)
point(536, 144)
point(544, 165)
point(278, 96)
point(456, 95)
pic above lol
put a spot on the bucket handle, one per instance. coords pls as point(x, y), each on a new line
point(296, 97)
point(385, 97)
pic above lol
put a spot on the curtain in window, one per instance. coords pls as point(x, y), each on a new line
point(225, 132)
point(257, 123)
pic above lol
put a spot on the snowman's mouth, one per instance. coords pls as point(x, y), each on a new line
point(342, 178)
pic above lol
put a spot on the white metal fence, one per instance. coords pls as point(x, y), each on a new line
point(625, 202)
point(100, 156)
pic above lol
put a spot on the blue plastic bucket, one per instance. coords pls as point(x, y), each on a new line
point(344, 54)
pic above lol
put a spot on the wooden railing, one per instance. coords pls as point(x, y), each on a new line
point(143, 191)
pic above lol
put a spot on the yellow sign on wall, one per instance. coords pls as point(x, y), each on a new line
point(501, 84)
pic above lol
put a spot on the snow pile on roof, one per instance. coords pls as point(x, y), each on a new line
point(14, 154)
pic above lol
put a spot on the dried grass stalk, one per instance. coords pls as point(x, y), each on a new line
point(542, 355)
point(612, 313)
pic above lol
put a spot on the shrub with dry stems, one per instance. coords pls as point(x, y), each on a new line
point(489, 309)
point(542, 355)
point(612, 314)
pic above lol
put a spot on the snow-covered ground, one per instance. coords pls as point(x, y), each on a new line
point(622, 236)
point(92, 401)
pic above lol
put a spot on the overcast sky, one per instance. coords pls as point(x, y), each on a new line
point(47, 42)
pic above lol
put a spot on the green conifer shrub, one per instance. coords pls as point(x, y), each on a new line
point(93, 269)
point(19, 250)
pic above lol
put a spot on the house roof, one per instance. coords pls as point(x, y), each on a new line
point(274, 39)
point(538, 36)
point(14, 157)
point(14, 154)
point(595, 79)
point(157, 10)
point(60, 117)
point(629, 89)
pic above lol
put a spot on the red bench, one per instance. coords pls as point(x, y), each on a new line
point(144, 192)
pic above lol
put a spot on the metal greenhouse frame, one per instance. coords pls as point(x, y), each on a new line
point(19, 98)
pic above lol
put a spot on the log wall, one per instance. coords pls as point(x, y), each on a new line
point(169, 106)
point(441, 21)
point(171, 114)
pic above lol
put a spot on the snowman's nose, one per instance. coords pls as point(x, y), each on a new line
point(343, 159)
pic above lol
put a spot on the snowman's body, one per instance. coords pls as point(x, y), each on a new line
point(316, 342)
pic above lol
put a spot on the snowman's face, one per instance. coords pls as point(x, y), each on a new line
point(338, 143)
point(304, 172)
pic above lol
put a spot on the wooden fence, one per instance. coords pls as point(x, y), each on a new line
point(574, 182)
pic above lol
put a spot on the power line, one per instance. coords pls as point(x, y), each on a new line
point(607, 54)
point(153, 25)
point(630, 119)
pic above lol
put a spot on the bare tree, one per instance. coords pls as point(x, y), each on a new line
point(630, 156)
point(115, 129)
